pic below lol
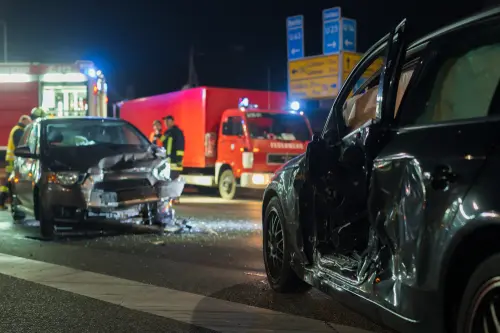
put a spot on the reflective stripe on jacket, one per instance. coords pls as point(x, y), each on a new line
point(11, 145)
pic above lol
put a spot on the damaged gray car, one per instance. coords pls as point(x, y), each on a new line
point(69, 172)
point(394, 207)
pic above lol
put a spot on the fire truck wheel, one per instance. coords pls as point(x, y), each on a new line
point(227, 185)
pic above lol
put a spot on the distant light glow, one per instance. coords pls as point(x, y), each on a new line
point(301, 113)
point(244, 102)
point(295, 106)
point(99, 73)
point(91, 72)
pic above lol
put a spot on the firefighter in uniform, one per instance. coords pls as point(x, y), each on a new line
point(173, 141)
point(14, 137)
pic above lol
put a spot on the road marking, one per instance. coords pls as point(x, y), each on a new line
point(207, 312)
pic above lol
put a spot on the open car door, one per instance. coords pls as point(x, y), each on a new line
point(339, 162)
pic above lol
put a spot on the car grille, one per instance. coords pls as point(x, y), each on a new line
point(136, 193)
point(122, 185)
point(279, 158)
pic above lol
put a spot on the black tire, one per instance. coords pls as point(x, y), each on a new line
point(47, 228)
point(482, 290)
point(227, 185)
point(280, 275)
point(17, 216)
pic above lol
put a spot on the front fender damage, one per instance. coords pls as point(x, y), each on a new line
point(134, 188)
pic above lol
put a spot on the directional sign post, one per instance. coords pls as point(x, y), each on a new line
point(349, 32)
point(331, 30)
point(295, 37)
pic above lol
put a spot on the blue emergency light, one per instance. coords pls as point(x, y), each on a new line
point(295, 106)
point(244, 102)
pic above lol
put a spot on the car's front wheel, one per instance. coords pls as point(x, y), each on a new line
point(277, 253)
point(47, 227)
point(17, 215)
point(480, 305)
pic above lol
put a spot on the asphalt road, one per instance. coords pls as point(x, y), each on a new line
point(135, 281)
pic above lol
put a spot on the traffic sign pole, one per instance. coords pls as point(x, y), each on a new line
point(331, 30)
point(295, 37)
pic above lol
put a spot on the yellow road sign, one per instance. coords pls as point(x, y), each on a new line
point(314, 77)
point(324, 87)
point(351, 59)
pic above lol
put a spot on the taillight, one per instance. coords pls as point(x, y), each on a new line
point(210, 144)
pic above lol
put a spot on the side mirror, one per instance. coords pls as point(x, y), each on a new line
point(316, 137)
point(23, 151)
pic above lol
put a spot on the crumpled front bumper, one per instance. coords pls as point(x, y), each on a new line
point(142, 192)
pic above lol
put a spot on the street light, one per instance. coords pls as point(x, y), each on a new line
point(4, 25)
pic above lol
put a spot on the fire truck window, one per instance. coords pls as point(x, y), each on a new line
point(233, 126)
point(270, 126)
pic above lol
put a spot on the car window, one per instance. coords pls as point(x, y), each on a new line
point(24, 139)
point(33, 139)
point(458, 84)
point(361, 106)
point(353, 109)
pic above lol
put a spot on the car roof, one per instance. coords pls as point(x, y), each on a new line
point(65, 119)
point(462, 24)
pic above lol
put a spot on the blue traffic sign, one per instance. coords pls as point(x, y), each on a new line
point(295, 37)
point(349, 35)
point(331, 30)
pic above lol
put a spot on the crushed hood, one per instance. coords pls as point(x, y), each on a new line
point(85, 157)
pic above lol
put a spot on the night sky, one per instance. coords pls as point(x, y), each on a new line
point(145, 44)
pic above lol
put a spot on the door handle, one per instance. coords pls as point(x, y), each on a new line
point(442, 177)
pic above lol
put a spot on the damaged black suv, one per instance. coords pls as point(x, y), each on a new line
point(393, 208)
point(74, 171)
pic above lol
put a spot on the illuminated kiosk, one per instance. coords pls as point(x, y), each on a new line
point(76, 90)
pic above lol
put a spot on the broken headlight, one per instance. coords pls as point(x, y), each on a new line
point(65, 178)
point(162, 171)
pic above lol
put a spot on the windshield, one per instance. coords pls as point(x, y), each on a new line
point(277, 126)
point(74, 133)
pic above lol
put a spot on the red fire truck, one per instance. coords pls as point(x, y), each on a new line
point(77, 89)
point(229, 141)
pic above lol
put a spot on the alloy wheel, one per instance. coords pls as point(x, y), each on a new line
point(275, 246)
point(486, 309)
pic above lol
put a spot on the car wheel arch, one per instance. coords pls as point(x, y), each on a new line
point(456, 269)
point(268, 195)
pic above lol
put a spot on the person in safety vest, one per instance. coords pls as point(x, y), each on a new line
point(14, 137)
point(156, 134)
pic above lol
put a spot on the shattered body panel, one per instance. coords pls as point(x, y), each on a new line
point(120, 187)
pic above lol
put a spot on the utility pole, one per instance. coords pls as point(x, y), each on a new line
point(192, 76)
point(4, 26)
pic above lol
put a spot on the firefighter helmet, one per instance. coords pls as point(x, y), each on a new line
point(37, 112)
